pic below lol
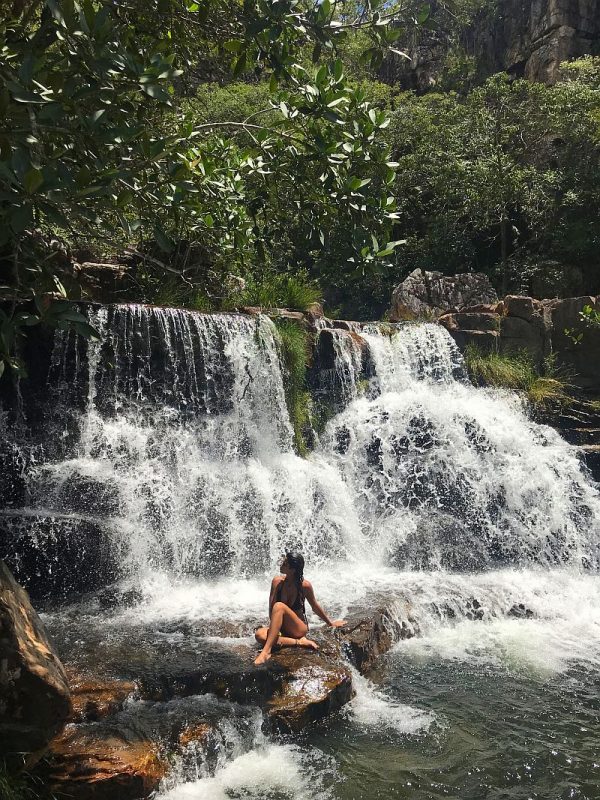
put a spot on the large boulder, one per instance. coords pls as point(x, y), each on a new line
point(429, 294)
point(35, 700)
point(578, 356)
point(310, 685)
point(89, 762)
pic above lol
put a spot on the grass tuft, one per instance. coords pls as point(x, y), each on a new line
point(543, 388)
point(14, 787)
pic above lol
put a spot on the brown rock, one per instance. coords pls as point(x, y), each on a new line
point(471, 321)
point(315, 310)
point(367, 638)
point(519, 334)
point(486, 341)
point(254, 311)
point(313, 685)
point(195, 733)
point(96, 698)
point(34, 692)
point(483, 308)
point(523, 307)
point(86, 762)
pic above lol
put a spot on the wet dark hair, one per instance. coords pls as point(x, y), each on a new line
point(296, 562)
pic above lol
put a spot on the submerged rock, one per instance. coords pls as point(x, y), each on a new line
point(34, 692)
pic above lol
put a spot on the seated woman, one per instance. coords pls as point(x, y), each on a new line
point(288, 624)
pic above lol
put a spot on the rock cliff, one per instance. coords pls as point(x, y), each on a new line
point(526, 38)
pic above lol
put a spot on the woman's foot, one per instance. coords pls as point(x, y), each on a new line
point(304, 642)
point(262, 658)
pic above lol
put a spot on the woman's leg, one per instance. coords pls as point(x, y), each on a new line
point(260, 634)
point(283, 618)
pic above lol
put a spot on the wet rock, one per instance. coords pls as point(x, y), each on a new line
point(34, 693)
point(311, 685)
point(474, 610)
point(96, 698)
point(367, 637)
point(198, 733)
point(429, 294)
point(95, 763)
point(520, 611)
point(57, 556)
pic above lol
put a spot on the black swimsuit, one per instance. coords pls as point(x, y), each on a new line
point(297, 606)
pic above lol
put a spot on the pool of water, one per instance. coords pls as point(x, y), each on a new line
point(481, 704)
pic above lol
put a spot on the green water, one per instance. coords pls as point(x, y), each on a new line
point(497, 734)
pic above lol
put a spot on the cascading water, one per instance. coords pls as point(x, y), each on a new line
point(445, 475)
point(171, 436)
point(184, 446)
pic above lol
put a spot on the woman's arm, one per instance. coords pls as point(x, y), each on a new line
point(318, 609)
point(274, 584)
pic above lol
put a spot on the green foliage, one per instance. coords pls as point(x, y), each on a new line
point(591, 316)
point(502, 179)
point(296, 292)
point(98, 140)
point(295, 352)
point(14, 787)
point(517, 372)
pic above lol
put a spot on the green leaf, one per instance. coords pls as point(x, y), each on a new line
point(156, 92)
point(32, 180)
point(21, 217)
point(165, 243)
point(233, 45)
point(240, 65)
point(423, 14)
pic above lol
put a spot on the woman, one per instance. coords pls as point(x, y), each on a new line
point(286, 610)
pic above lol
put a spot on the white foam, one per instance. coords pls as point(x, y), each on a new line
point(374, 710)
point(259, 773)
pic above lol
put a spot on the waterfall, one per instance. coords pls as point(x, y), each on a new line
point(445, 475)
point(170, 440)
point(172, 437)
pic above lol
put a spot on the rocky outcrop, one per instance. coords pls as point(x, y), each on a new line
point(539, 328)
point(532, 39)
point(427, 294)
point(366, 637)
point(527, 39)
point(34, 693)
point(119, 749)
